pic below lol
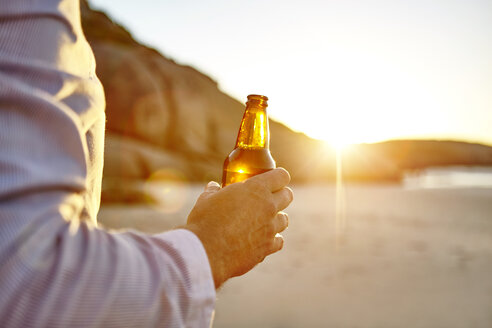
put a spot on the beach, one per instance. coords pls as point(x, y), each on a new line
point(403, 257)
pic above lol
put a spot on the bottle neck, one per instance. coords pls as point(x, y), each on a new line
point(254, 132)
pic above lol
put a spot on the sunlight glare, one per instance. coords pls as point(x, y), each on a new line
point(338, 145)
point(340, 202)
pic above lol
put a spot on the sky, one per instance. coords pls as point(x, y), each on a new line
point(344, 71)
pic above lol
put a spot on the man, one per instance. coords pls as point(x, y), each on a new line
point(56, 268)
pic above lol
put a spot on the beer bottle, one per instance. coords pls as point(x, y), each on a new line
point(251, 155)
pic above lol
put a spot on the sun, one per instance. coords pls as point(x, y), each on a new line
point(340, 138)
point(341, 129)
point(339, 144)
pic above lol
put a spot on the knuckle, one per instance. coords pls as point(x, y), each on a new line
point(235, 187)
point(290, 194)
point(253, 189)
point(252, 184)
point(249, 183)
point(286, 220)
point(257, 183)
point(285, 176)
point(271, 230)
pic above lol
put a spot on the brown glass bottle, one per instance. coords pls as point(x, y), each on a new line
point(251, 155)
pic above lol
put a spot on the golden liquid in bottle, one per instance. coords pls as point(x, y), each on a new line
point(242, 164)
point(251, 156)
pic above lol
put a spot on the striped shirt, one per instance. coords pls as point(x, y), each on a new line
point(57, 269)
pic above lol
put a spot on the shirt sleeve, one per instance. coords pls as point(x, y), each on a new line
point(57, 269)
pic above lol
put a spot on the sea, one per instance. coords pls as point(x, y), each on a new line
point(449, 177)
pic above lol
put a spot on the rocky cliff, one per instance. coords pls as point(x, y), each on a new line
point(162, 115)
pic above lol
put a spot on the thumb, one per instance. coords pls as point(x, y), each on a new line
point(212, 187)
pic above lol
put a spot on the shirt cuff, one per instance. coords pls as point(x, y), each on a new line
point(202, 286)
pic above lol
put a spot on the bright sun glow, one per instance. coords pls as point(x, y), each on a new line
point(339, 144)
point(365, 100)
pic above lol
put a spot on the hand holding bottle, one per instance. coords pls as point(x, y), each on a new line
point(239, 224)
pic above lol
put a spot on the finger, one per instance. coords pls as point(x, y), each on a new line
point(281, 222)
point(274, 180)
point(277, 244)
point(283, 198)
point(212, 186)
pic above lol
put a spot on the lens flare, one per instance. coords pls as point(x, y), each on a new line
point(340, 199)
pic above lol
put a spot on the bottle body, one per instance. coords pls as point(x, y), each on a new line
point(251, 155)
point(242, 164)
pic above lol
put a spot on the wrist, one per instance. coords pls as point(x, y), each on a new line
point(216, 266)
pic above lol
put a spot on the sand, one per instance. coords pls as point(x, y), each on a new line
point(408, 258)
